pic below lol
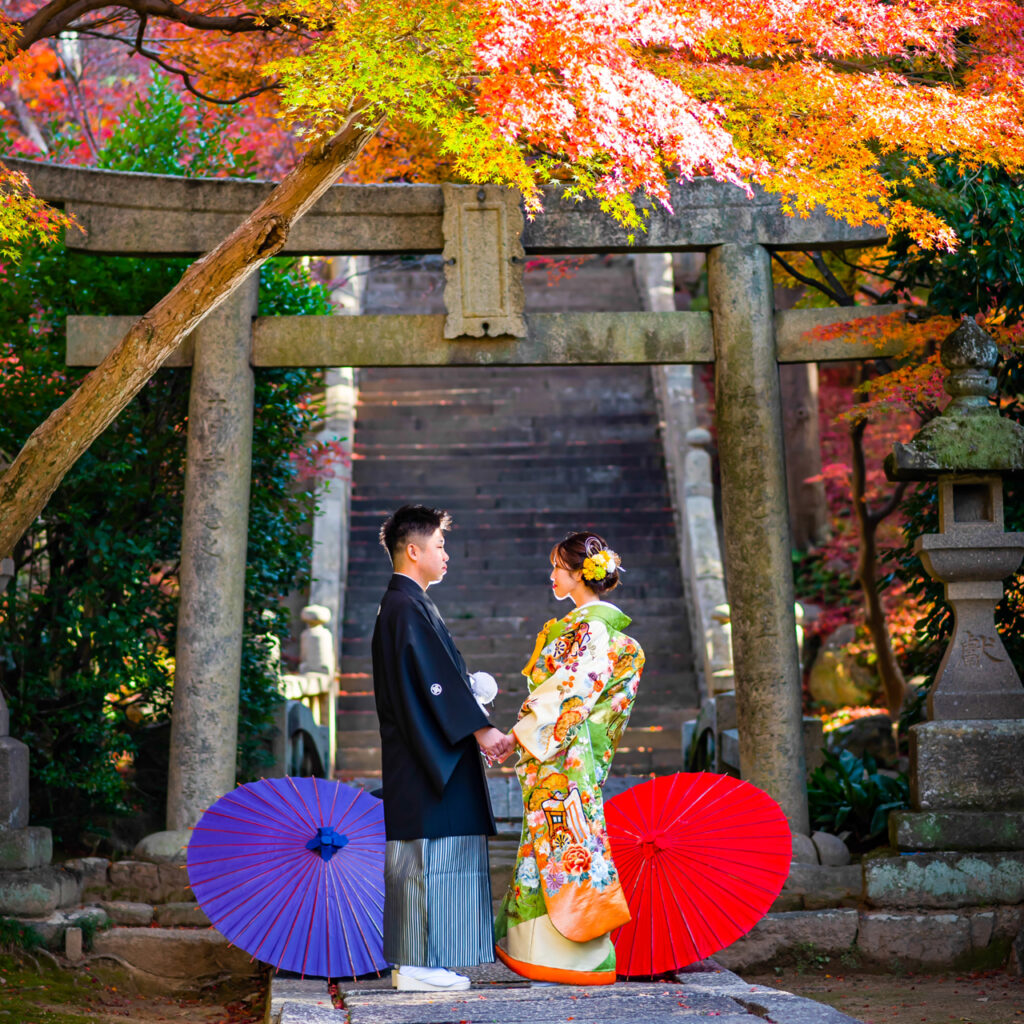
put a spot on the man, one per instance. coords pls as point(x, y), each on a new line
point(437, 811)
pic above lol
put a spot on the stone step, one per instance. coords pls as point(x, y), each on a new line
point(524, 548)
point(529, 569)
point(509, 414)
point(449, 378)
point(678, 694)
point(643, 581)
point(494, 581)
point(472, 410)
point(512, 497)
point(465, 496)
point(444, 423)
point(540, 531)
point(465, 488)
point(608, 451)
point(519, 576)
point(414, 469)
point(480, 443)
point(526, 579)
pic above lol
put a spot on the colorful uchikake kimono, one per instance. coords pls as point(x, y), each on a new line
point(565, 897)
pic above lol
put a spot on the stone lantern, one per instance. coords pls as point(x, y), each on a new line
point(967, 773)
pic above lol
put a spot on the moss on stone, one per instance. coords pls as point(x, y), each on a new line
point(987, 958)
point(976, 442)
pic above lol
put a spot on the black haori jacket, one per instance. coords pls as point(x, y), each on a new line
point(434, 782)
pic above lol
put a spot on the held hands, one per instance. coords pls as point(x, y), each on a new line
point(494, 744)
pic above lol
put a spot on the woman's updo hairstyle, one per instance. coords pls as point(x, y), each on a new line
point(588, 553)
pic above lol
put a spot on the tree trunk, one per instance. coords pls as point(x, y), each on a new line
point(893, 684)
point(55, 446)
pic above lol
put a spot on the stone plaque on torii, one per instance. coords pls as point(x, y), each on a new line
point(482, 235)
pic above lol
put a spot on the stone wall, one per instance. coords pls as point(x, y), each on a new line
point(926, 912)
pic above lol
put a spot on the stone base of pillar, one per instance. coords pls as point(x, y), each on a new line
point(13, 782)
point(23, 848)
point(966, 788)
point(971, 765)
point(31, 892)
point(925, 831)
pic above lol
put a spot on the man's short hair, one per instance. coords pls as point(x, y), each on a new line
point(411, 522)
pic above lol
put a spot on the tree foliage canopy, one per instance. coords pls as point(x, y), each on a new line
point(806, 97)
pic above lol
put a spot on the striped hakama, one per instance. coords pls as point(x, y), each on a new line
point(437, 902)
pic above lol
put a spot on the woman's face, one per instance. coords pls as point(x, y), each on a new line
point(563, 580)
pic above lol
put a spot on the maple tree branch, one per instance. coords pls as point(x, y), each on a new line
point(54, 18)
point(186, 81)
point(78, 104)
point(839, 298)
point(185, 75)
point(845, 298)
point(872, 293)
point(59, 16)
point(853, 265)
point(893, 684)
point(891, 503)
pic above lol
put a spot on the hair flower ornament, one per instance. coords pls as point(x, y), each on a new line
point(598, 565)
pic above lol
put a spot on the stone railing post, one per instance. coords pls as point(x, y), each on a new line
point(204, 724)
point(331, 524)
point(688, 467)
point(705, 576)
point(757, 548)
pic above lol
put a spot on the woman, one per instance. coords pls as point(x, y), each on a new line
point(565, 897)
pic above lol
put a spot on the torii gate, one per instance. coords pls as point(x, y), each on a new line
point(483, 237)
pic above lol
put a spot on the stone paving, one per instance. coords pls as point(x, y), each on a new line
point(705, 991)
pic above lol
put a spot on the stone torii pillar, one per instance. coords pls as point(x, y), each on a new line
point(756, 519)
point(214, 533)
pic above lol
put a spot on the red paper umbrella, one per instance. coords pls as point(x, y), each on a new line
point(701, 858)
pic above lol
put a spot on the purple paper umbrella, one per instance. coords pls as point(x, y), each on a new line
point(292, 872)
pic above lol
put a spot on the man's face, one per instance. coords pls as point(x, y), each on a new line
point(432, 559)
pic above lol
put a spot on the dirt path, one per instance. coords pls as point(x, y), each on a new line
point(31, 994)
point(991, 997)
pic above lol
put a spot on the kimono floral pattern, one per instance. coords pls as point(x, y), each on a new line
point(583, 681)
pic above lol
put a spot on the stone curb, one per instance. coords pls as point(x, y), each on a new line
point(945, 880)
point(972, 937)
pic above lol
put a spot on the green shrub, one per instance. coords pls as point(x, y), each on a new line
point(849, 794)
point(16, 936)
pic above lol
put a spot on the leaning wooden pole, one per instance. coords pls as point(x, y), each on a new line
point(56, 444)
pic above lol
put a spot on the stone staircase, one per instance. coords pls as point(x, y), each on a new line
point(519, 457)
